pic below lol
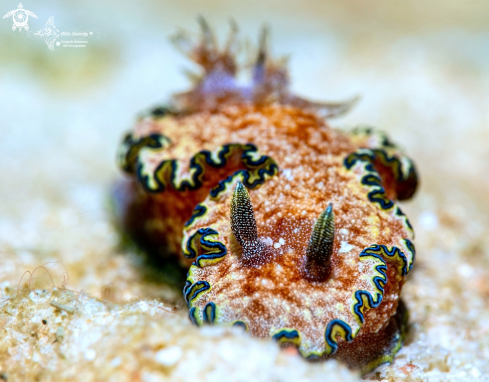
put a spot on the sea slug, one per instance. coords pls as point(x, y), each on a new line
point(290, 229)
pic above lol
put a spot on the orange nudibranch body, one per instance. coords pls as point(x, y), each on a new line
point(289, 228)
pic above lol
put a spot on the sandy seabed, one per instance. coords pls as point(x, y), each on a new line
point(76, 305)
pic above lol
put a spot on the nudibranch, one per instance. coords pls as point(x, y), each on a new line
point(290, 229)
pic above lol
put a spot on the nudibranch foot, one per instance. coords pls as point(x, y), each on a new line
point(371, 350)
